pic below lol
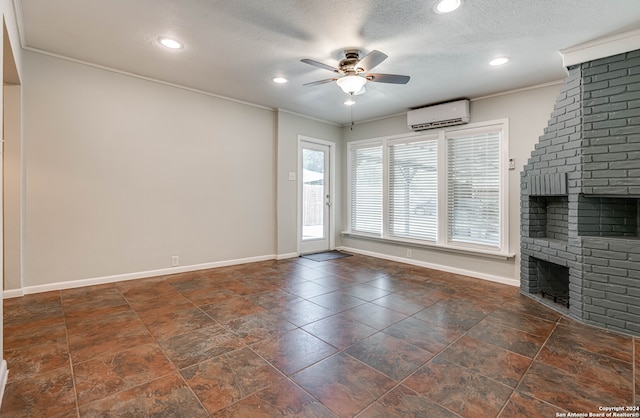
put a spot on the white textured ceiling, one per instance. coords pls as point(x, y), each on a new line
point(234, 48)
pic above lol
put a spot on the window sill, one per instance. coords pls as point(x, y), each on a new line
point(444, 248)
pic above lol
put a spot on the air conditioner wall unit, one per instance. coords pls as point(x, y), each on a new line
point(438, 116)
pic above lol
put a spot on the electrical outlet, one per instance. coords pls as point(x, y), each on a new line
point(408, 253)
point(175, 261)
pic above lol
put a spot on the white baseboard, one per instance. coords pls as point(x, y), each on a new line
point(12, 293)
point(4, 375)
point(448, 269)
point(286, 256)
point(129, 276)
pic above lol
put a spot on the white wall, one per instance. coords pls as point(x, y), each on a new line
point(124, 173)
point(290, 126)
point(528, 112)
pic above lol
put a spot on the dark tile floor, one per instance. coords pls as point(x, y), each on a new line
point(356, 336)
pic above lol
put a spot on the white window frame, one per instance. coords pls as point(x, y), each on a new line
point(442, 242)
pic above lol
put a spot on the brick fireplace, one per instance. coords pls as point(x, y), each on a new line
point(580, 194)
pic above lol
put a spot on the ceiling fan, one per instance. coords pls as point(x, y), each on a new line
point(355, 71)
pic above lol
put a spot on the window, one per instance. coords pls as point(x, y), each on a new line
point(473, 184)
point(366, 187)
point(446, 188)
point(413, 190)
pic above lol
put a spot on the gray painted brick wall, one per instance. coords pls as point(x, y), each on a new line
point(593, 231)
point(611, 125)
point(612, 281)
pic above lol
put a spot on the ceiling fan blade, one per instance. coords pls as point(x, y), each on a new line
point(320, 65)
point(370, 60)
point(388, 78)
point(315, 83)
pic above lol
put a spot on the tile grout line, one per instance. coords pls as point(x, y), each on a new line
point(452, 343)
point(401, 382)
point(515, 389)
point(71, 364)
point(221, 324)
point(287, 377)
point(398, 382)
point(114, 353)
point(343, 351)
point(157, 341)
point(177, 369)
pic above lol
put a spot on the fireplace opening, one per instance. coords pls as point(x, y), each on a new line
point(553, 282)
point(549, 217)
point(600, 216)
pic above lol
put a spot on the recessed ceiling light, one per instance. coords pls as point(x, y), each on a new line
point(350, 102)
point(170, 43)
point(446, 6)
point(280, 80)
point(499, 61)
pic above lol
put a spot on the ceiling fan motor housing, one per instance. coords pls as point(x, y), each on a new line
point(348, 64)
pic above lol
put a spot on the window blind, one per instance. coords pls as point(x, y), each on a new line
point(366, 190)
point(413, 187)
point(473, 184)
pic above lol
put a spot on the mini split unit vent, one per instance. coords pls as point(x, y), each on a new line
point(438, 116)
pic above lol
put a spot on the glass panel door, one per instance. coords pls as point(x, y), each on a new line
point(313, 194)
point(315, 198)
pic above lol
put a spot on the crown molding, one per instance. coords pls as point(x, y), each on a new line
point(601, 48)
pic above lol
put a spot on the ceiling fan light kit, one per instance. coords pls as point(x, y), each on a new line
point(351, 84)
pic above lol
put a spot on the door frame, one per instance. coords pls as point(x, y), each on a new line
point(331, 188)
